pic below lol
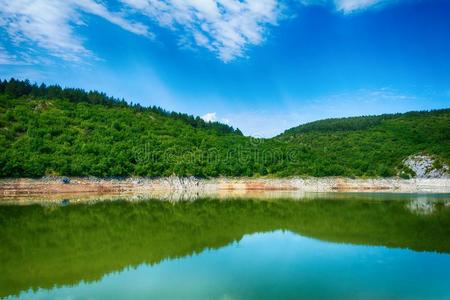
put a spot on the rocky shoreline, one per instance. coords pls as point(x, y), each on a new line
point(159, 187)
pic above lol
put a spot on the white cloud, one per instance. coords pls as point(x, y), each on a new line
point(95, 8)
point(226, 27)
point(348, 6)
point(225, 121)
point(50, 24)
point(210, 117)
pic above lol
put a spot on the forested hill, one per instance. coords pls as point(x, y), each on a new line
point(13, 89)
point(375, 144)
point(364, 122)
point(47, 130)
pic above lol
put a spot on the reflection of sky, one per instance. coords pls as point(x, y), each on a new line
point(277, 265)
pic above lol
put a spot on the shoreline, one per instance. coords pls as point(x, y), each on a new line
point(52, 186)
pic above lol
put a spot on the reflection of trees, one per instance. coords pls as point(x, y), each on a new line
point(43, 246)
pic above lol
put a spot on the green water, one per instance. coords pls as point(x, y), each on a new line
point(387, 246)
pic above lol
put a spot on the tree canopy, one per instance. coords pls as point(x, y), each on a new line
point(48, 130)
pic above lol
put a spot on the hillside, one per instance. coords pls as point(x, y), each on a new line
point(54, 131)
point(375, 144)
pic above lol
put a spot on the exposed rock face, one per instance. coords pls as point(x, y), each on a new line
point(424, 166)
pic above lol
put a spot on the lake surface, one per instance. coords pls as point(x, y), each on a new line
point(334, 247)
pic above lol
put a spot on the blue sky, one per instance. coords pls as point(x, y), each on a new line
point(263, 65)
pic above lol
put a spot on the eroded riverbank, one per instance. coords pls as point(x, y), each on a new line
point(187, 188)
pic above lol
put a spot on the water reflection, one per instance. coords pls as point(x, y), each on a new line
point(81, 247)
point(276, 265)
point(182, 195)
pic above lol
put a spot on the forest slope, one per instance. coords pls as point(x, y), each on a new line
point(47, 130)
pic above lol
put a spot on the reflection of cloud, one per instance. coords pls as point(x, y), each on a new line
point(422, 206)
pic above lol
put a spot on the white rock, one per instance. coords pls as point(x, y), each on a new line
point(422, 165)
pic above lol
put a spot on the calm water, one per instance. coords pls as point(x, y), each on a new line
point(392, 247)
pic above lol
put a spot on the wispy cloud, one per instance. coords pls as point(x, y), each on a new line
point(265, 123)
point(50, 24)
point(348, 6)
point(118, 19)
point(225, 27)
point(6, 58)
